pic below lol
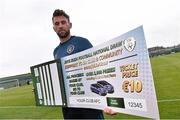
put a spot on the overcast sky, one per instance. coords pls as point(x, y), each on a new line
point(27, 37)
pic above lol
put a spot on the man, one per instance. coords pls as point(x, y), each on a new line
point(70, 45)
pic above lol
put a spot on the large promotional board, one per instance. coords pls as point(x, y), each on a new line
point(116, 74)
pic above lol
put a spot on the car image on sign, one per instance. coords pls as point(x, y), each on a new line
point(98, 89)
point(107, 86)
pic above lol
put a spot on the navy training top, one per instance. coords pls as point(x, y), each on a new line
point(74, 45)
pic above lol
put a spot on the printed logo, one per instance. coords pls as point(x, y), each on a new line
point(70, 49)
point(130, 44)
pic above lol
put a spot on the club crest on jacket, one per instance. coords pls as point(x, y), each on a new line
point(70, 49)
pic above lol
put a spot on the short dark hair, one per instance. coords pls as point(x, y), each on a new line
point(58, 12)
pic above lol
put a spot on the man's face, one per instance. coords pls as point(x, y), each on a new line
point(61, 26)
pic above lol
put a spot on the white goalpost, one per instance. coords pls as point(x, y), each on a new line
point(9, 83)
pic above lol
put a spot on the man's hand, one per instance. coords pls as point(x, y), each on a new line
point(109, 111)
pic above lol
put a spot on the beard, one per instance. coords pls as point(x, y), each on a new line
point(63, 34)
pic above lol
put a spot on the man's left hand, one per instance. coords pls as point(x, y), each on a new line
point(109, 111)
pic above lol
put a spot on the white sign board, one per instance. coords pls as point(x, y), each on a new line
point(116, 74)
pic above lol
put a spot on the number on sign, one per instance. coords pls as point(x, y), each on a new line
point(132, 86)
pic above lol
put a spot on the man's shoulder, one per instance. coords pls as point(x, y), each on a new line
point(80, 38)
point(82, 43)
point(55, 50)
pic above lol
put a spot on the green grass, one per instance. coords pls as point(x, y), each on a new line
point(20, 96)
point(19, 103)
point(166, 72)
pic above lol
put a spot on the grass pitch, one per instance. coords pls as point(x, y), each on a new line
point(19, 103)
point(166, 72)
